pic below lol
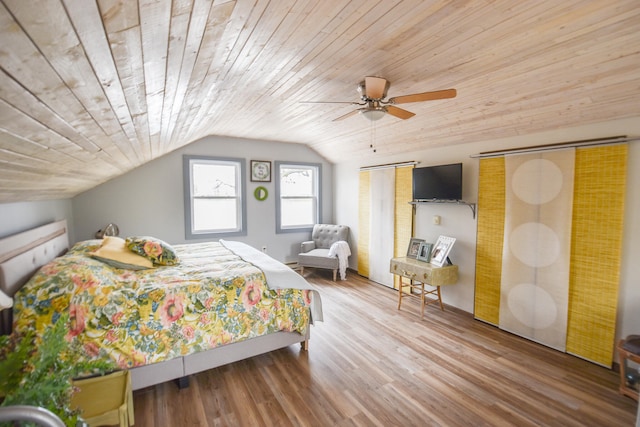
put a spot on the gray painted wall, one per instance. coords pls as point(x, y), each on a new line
point(149, 200)
point(17, 217)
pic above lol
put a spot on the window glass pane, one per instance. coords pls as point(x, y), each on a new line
point(297, 212)
point(298, 203)
point(214, 204)
point(215, 214)
point(214, 180)
point(297, 181)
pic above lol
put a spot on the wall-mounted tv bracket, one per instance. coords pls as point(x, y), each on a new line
point(472, 206)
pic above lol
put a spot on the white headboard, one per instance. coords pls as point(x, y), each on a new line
point(22, 254)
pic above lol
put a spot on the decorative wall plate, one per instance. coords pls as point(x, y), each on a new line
point(261, 193)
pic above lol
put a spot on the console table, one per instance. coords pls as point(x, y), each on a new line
point(420, 274)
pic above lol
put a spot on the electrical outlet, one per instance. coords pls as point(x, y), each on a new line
point(264, 249)
point(436, 219)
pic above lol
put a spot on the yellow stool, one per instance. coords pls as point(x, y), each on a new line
point(105, 400)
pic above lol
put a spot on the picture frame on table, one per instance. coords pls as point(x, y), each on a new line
point(441, 250)
point(424, 252)
point(414, 247)
point(260, 171)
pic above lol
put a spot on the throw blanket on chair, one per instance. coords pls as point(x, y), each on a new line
point(341, 250)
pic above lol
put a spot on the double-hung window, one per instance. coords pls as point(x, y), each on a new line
point(214, 197)
point(298, 192)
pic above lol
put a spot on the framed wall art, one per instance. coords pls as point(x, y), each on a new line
point(260, 171)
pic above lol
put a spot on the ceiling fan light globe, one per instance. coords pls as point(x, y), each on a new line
point(373, 114)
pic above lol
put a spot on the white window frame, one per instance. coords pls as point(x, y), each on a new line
point(317, 168)
point(241, 206)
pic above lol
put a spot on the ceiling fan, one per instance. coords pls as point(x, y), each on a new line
point(373, 91)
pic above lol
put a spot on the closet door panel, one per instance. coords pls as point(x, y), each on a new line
point(381, 232)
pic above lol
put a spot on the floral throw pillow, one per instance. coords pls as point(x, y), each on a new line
point(155, 250)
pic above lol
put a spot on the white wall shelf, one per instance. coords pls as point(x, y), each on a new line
point(472, 206)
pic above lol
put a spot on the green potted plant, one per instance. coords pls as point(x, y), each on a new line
point(40, 374)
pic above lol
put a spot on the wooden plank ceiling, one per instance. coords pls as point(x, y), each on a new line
point(92, 89)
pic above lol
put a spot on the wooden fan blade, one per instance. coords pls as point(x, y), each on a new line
point(375, 87)
point(352, 113)
point(331, 102)
point(425, 96)
point(399, 112)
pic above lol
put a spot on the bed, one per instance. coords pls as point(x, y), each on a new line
point(163, 323)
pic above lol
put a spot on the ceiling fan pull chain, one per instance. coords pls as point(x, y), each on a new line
point(373, 136)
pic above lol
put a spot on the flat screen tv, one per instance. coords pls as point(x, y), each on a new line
point(442, 182)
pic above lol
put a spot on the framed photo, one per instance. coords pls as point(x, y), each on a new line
point(414, 247)
point(260, 171)
point(441, 250)
point(424, 252)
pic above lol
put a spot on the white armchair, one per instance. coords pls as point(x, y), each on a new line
point(318, 252)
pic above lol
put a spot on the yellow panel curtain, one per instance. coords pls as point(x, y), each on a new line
point(403, 216)
point(403, 213)
point(596, 240)
point(364, 209)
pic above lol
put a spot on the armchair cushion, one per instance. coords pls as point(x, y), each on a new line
point(318, 258)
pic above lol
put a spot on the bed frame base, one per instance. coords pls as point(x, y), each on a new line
point(182, 367)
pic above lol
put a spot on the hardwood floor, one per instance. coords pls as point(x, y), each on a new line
point(372, 365)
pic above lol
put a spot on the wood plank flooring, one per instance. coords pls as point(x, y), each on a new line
point(372, 365)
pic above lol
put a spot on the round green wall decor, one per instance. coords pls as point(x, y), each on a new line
point(261, 193)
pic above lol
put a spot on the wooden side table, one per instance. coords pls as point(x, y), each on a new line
point(420, 274)
point(629, 350)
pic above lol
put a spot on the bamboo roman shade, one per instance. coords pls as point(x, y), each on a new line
point(598, 220)
point(364, 209)
point(404, 214)
point(491, 196)
point(596, 241)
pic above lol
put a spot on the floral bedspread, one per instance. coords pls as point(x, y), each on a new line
point(211, 298)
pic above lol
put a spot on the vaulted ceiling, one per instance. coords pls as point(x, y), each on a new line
point(92, 89)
